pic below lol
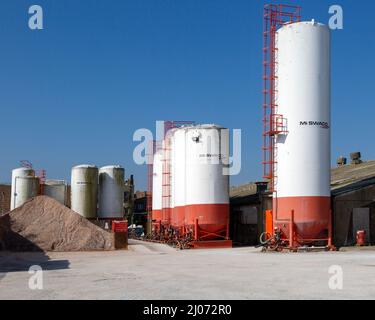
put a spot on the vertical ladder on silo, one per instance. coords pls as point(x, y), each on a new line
point(273, 123)
point(166, 180)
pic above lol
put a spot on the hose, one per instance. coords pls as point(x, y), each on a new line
point(265, 238)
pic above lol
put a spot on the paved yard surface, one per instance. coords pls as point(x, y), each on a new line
point(154, 271)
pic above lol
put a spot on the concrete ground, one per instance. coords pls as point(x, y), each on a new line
point(154, 271)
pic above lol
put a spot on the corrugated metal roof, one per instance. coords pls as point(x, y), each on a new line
point(246, 190)
point(351, 174)
point(243, 190)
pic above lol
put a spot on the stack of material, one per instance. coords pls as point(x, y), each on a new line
point(43, 224)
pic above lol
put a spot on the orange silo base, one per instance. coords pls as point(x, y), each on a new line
point(212, 244)
point(178, 217)
point(157, 215)
point(311, 217)
point(208, 221)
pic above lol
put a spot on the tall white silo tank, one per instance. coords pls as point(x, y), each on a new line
point(84, 190)
point(303, 159)
point(23, 189)
point(178, 177)
point(207, 185)
point(157, 177)
point(111, 192)
point(56, 189)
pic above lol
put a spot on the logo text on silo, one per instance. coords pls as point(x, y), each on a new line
point(321, 124)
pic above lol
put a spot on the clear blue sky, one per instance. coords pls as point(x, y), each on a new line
point(76, 91)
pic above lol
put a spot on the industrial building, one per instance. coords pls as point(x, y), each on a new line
point(248, 204)
point(352, 191)
point(140, 209)
point(353, 202)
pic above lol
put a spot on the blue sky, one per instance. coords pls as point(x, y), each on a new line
point(76, 91)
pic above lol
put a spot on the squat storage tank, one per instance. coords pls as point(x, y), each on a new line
point(84, 190)
point(111, 192)
point(24, 186)
point(56, 189)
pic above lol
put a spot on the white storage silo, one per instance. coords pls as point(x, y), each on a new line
point(178, 177)
point(56, 189)
point(111, 192)
point(24, 186)
point(302, 154)
point(84, 190)
point(207, 187)
point(157, 177)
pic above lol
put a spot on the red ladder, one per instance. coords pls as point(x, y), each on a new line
point(275, 16)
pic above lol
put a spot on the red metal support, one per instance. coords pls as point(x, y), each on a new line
point(227, 231)
point(330, 245)
point(42, 175)
point(196, 230)
point(291, 230)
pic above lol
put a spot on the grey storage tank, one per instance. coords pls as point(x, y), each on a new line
point(111, 192)
point(56, 189)
point(24, 186)
point(84, 190)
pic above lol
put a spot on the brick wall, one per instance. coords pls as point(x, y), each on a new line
point(4, 198)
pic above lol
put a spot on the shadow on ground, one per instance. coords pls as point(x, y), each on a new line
point(22, 261)
point(18, 254)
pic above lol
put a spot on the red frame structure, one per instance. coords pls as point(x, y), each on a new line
point(274, 16)
point(42, 175)
point(150, 172)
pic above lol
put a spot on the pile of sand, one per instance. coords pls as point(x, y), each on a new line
point(43, 224)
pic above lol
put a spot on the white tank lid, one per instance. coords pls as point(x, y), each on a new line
point(111, 167)
point(85, 166)
point(23, 172)
point(208, 126)
point(311, 22)
point(23, 169)
point(54, 182)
